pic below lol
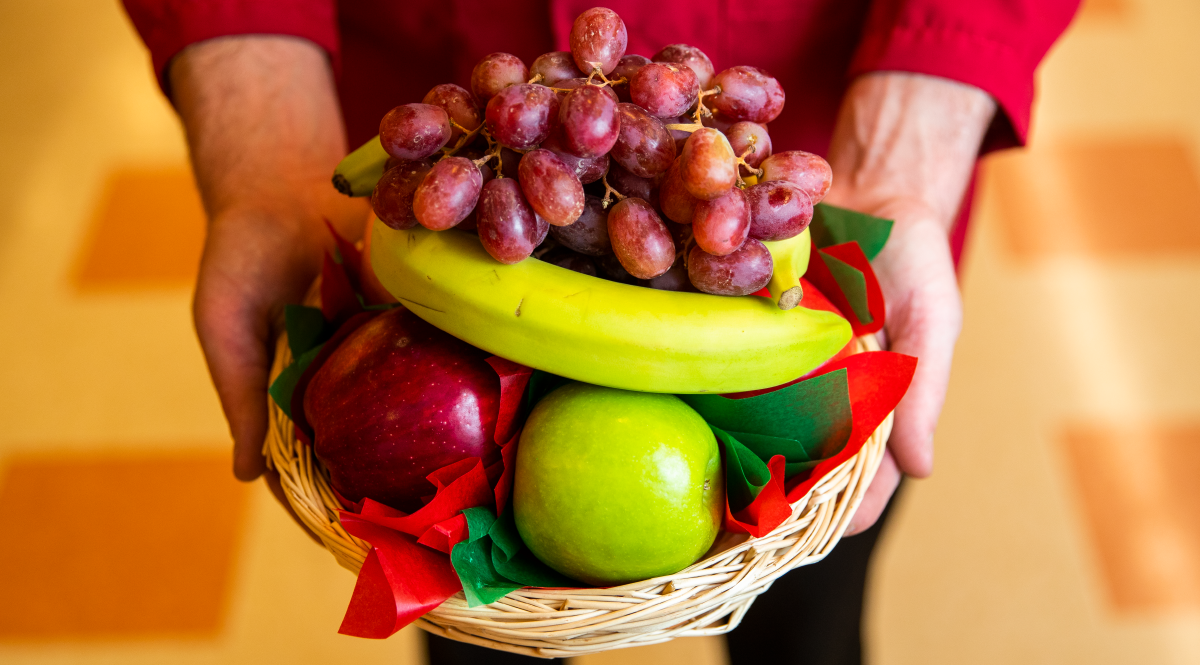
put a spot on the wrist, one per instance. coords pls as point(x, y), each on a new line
point(905, 146)
point(264, 127)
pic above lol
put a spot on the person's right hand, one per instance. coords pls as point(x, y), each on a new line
point(265, 134)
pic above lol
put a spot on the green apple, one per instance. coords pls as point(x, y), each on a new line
point(613, 486)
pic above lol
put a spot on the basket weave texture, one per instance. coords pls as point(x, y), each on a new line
point(710, 597)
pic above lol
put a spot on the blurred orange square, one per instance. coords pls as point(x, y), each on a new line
point(117, 547)
point(1105, 198)
point(147, 230)
point(1141, 502)
point(1104, 9)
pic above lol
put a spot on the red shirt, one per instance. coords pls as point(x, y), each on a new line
point(387, 53)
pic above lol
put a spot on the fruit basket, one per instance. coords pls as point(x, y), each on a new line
point(710, 597)
point(690, 398)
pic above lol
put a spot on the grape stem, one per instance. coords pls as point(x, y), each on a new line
point(701, 112)
point(609, 192)
point(492, 151)
point(537, 78)
point(741, 161)
point(607, 82)
point(596, 71)
point(468, 136)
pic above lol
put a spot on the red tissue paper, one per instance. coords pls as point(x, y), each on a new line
point(877, 380)
point(408, 571)
point(819, 274)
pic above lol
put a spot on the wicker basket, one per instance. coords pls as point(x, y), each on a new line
point(709, 597)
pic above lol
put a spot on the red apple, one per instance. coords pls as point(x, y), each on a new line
point(396, 401)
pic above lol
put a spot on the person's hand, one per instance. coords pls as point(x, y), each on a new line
point(904, 149)
point(265, 134)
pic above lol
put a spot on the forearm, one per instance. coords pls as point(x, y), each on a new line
point(264, 128)
point(265, 134)
point(905, 145)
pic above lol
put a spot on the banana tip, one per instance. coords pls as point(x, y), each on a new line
point(342, 184)
point(790, 298)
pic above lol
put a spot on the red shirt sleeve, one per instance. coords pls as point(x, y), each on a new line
point(994, 45)
point(168, 26)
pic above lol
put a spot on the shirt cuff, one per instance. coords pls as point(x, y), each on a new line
point(169, 26)
point(997, 68)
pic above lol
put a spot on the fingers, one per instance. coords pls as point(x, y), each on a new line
point(245, 277)
point(233, 335)
point(887, 478)
point(923, 320)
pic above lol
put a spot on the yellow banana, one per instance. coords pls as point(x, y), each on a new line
point(358, 172)
point(791, 261)
point(601, 332)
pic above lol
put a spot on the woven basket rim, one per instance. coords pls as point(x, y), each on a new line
point(709, 597)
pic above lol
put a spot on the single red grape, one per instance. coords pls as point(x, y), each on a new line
point(554, 67)
point(741, 273)
point(414, 131)
point(677, 204)
point(392, 199)
point(520, 116)
point(496, 72)
point(682, 54)
point(458, 104)
point(746, 135)
point(778, 210)
point(589, 234)
point(720, 226)
point(448, 194)
point(598, 39)
point(550, 187)
point(805, 170)
point(644, 146)
point(707, 165)
point(627, 66)
point(664, 89)
point(639, 238)
point(748, 93)
point(629, 184)
point(589, 121)
point(587, 169)
point(508, 227)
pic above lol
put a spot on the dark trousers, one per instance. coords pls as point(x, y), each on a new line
point(811, 616)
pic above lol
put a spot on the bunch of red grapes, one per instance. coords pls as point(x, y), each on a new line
point(593, 148)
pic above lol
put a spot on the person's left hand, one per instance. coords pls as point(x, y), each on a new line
point(904, 149)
